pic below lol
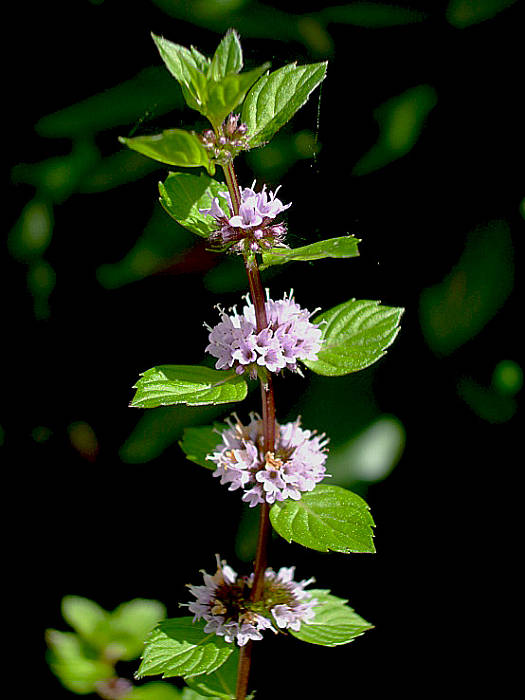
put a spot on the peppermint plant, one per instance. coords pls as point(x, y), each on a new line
point(277, 468)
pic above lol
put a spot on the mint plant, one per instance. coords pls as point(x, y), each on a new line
point(278, 468)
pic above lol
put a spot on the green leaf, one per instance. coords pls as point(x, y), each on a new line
point(327, 518)
point(155, 691)
point(341, 247)
point(183, 194)
point(186, 67)
point(335, 623)
point(227, 58)
point(177, 647)
point(70, 660)
point(198, 442)
point(130, 623)
point(226, 94)
point(222, 682)
point(188, 384)
point(174, 147)
point(84, 616)
point(276, 97)
point(355, 335)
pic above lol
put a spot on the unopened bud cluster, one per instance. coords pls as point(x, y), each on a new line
point(225, 146)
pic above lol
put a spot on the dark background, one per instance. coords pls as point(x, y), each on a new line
point(83, 518)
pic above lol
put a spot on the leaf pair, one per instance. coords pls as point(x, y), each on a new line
point(179, 647)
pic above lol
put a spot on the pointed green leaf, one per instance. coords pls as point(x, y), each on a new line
point(200, 441)
point(178, 647)
point(335, 623)
point(341, 247)
point(174, 147)
point(226, 94)
point(182, 195)
point(276, 97)
point(327, 518)
point(222, 682)
point(355, 335)
point(186, 67)
point(188, 384)
point(228, 56)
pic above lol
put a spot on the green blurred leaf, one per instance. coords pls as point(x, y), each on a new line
point(341, 247)
point(84, 616)
point(70, 661)
point(200, 441)
point(327, 518)
point(355, 335)
point(370, 14)
point(463, 13)
point(453, 311)
point(485, 402)
point(400, 121)
point(335, 623)
point(507, 378)
point(186, 69)
point(188, 384)
point(276, 97)
point(228, 56)
point(131, 622)
point(183, 194)
point(174, 147)
point(226, 94)
point(31, 235)
point(153, 92)
point(222, 682)
point(180, 648)
point(155, 691)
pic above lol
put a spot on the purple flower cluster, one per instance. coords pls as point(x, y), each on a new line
point(224, 602)
point(289, 336)
point(253, 228)
point(225, 146)
point(295, 466)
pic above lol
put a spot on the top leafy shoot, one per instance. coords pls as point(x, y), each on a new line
point(215, 88)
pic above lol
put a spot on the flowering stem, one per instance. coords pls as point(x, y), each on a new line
point(268, 417)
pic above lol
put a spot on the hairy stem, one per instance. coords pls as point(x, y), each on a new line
point(268, 417)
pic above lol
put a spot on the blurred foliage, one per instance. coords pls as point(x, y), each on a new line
point(456, 309)
point(495, 403)
point(463, 13)
point(400, 122)
point(84, 659)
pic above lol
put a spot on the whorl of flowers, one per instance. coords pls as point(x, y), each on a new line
point(295, 466)
point(225, 146)
point(224, 602)
point(253, 228)
point(289, 336)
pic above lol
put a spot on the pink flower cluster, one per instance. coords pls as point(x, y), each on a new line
point(295, 466)
point(289, 336)
point(224, 603)
point(253, 226)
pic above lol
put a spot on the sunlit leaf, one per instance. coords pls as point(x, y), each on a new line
point(187, 384)
point(276, 97)
point(228, 56)
point(222, 682)
point(342, 247)
point(84, 616)
point(182, 195)
point(179, 647)
point(186, 69)
point(226, 94)
point(327, 518)
point(335, 623)
point(174, 147)
point(355, 335)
